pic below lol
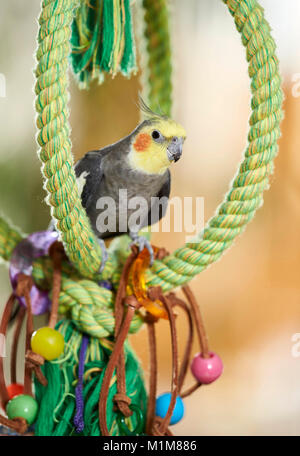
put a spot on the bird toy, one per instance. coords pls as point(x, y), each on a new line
point(81, 375)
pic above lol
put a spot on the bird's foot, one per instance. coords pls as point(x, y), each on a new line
point(104, 255)
point(142, 243)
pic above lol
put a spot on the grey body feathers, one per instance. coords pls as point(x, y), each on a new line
point(106, 172)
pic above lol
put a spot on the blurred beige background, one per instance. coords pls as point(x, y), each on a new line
point(251, 298)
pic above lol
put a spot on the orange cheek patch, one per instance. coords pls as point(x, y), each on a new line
point(142, 141)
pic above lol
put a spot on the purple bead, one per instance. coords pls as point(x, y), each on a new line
point(34, 246)
point(206, 370)
point(105, 284)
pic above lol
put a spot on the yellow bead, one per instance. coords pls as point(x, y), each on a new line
point(47, 342)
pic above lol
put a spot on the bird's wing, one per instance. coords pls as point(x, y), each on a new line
point(159, 208)
point(89, 175)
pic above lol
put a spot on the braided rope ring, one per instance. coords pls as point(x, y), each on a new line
point(240, 203)
point(238, 207)
point(246, 193)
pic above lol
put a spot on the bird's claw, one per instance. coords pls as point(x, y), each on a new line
point(104, 255)
point(142, 243)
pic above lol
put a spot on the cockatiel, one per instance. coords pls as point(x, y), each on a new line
point(137, 164)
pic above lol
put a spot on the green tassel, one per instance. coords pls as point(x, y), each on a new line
point(57, 405)
point(128, 60)
point(108, 35)
point(102, 40)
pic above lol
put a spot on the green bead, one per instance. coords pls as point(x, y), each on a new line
point(23, 406)
point(124, 429)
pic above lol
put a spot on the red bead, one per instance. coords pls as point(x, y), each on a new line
point(14, 389)
point(206, 370)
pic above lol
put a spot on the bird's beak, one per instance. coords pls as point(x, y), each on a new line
point(174, 150)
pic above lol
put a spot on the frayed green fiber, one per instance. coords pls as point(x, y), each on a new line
point(57, 405)
point(102, 40)
point(128, 60)
point(108, 34)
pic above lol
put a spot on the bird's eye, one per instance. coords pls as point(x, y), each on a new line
point(156, 134)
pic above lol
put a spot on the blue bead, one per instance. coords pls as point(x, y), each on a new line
point(162, 405)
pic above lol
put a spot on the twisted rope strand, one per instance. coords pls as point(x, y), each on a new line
point(158, 67)
point(246, 193)
point(87, 304)
point(54, 136)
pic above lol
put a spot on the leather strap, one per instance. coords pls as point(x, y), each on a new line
point(15, 343)
point(3, 328)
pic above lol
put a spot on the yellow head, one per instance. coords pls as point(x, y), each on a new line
point(156, 143)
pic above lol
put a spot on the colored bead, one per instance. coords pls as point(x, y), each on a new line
point(140, 420)
point(206, 370)
point(105, 284)
point(47, 342)
point(23, 406)
point(14, 389)
point(162, 405)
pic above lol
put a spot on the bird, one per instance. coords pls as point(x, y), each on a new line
point(117, 184)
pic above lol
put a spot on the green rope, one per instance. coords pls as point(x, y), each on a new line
point(54, 137)
point(252, 178)
point(157, 66)
point(57, 400)
point(237, 209)
point(9, 238)
point(102, 40)
point(90, 306)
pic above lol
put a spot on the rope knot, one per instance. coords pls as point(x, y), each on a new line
point(122, 403)
point(131, 301)
point(20, 425)
point(34, 358)
point(158, 429)
point(155, 293)
point(35, 361)
point(24, 285)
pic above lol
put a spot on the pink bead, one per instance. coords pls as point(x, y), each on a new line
point(206, 370)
